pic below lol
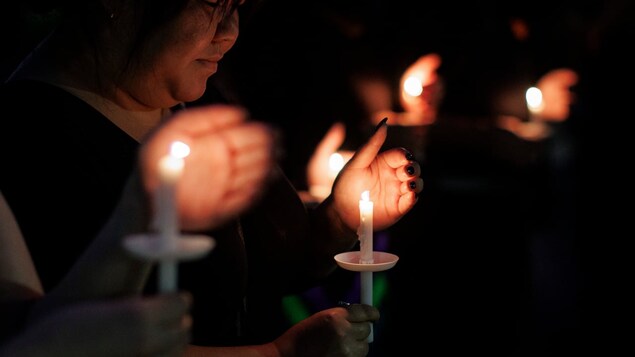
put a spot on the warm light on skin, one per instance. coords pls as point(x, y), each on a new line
point(534, 99)
point(413, 86)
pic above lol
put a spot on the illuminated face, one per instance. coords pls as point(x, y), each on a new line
point(183, 55)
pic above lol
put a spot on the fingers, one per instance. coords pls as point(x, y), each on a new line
point(367, 153)
point(172, 307)
point(186, 126)
point(414, 186)
point(362, 313)
point(230, 159)
point(408, 171)
point(247, 136)
point(189, 124)
point(398, 157)
point(166, 324)
point(567, 77)
point(204, 119)
point(360, 317)
point(169, 342)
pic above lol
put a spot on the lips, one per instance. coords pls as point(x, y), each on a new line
point(209, 64)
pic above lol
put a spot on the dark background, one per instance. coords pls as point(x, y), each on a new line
point(514, 248)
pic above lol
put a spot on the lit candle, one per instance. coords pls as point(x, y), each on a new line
point(365, 231)
point(166, 214)
point(413, 86)
point(365, 234)
point(336, 162)
point(535, 104)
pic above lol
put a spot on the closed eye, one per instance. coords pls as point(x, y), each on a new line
point(211, 3)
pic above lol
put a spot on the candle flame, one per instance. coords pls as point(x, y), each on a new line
point(413, 86)
point(534, 99)
point(366, 196)
point(336, 162)
point(179, 149)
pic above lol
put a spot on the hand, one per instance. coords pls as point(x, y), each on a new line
point(392, 189)
point(319, 173)
point(157, 325)
point(333, 332)
point(421, 108)
point(556, 93)
point(228, 166)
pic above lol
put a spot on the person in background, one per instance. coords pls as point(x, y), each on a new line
point(115, 70)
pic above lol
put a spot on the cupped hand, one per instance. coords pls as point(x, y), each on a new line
point(318, 171)
point(392, 178)
point(229, 163)
point(332, 332)
point(557, 96)
point(421, 108)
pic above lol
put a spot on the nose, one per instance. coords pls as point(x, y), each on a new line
point(227, 32)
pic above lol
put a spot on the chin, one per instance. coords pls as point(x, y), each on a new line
point(193, 93)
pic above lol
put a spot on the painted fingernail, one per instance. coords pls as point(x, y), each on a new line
point(381, 123)
point(343, 304)
point(412, 185)
point(409, 155)
point(410, 170)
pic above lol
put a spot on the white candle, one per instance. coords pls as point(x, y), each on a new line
point(166, 214)
point(365, 234)
point(366, 281)
point(365, 231)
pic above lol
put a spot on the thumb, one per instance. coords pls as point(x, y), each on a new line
point(367, 153)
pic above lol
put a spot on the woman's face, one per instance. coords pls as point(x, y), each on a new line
point(183, 55)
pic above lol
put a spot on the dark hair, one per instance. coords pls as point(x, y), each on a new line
point(89, 19)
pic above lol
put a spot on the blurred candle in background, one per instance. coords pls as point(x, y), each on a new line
point(535, 104)
point(336, 162)
point(413, 86)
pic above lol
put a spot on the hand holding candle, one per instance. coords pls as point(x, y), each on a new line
point(392, 178)
point(230, 161)
point(168, 246)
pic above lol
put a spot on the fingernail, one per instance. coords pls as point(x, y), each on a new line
point(410, 170)
point(412, 185)
point(382, 122)
point(409, 155)
point(343, 304)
